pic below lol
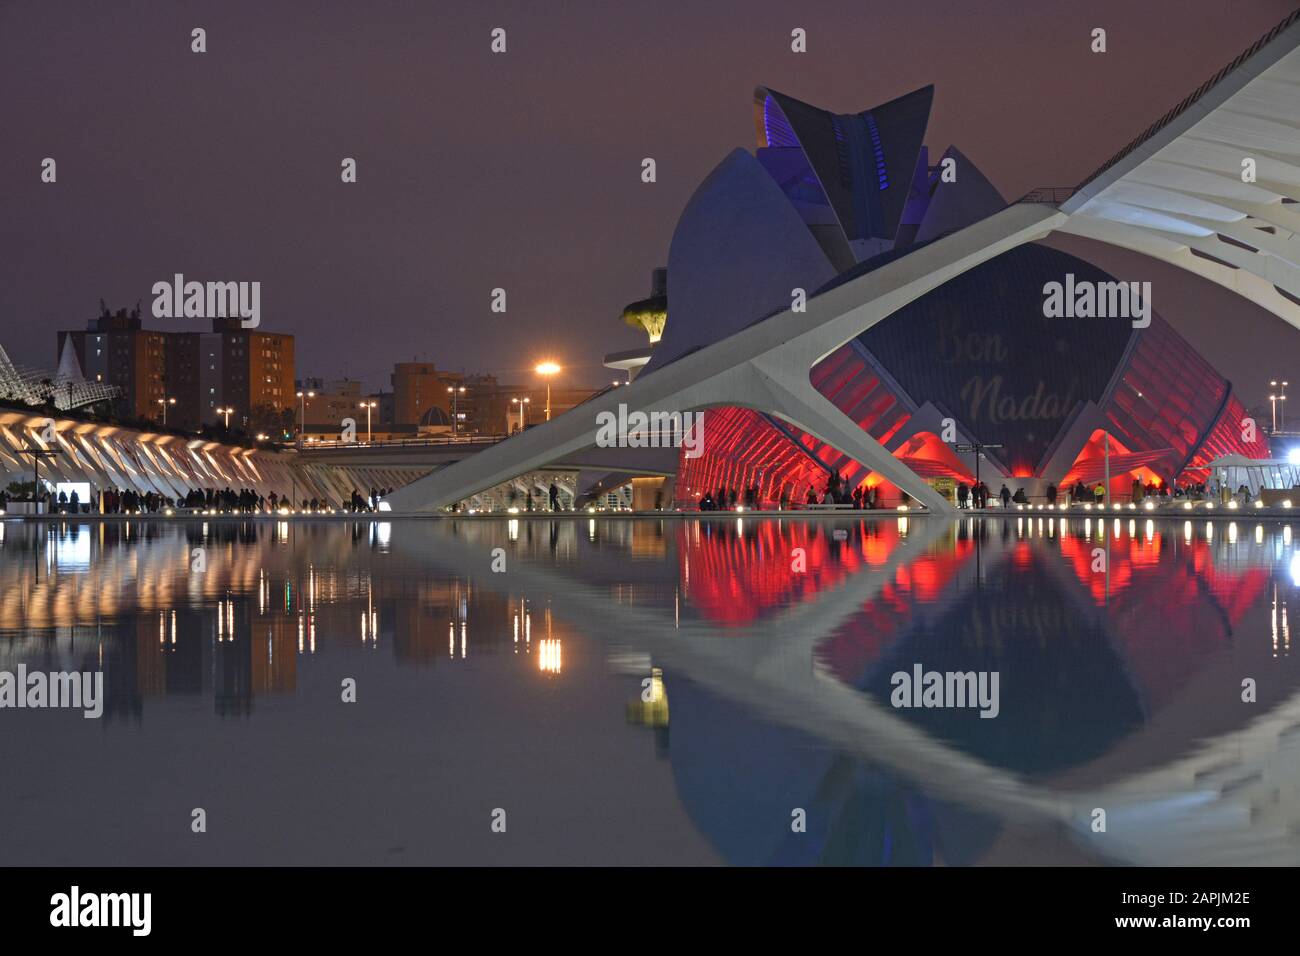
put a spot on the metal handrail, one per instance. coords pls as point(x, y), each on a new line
point(401, 442)
point(1048, 194)
point(1195, 95)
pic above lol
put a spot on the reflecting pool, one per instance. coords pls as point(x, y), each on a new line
point(653, 691)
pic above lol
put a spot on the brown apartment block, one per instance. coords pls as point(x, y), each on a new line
point(196, 373)
point(494, 408)
point(257, 369)
point(417, 387)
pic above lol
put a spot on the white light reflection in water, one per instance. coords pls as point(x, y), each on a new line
point(1240, 584)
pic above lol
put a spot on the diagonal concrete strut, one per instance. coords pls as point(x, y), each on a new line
point(757, 368)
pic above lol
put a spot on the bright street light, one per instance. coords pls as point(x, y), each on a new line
point(302, 410)
point(521, 402)
point(546, 370)
point(368, 406)
point(164, 402)
point(1275, 398)
point(454, 393)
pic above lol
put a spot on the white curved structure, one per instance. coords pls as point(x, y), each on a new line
point(1177, 193)
point(1180, 193)
point(108, 456)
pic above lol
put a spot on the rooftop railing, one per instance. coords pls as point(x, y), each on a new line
point(449, 441)
point(1195, 95)
point(1048, 194)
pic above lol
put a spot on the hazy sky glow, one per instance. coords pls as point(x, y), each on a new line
point(522, 170)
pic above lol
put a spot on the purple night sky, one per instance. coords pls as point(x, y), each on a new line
point(523, 170)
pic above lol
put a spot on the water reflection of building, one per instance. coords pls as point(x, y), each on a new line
point(735, 573)
point(1121, 684)
point(740, 778)
point(123, 597)
point(1180, 611)
point(230, 650)
point(125, 594)
point(1103, 676)
point(257, 655)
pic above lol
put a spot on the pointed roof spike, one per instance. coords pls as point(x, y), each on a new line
point(863, 161)
point(955, 205)
point(69, 369)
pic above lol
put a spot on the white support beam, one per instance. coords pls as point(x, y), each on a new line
point(788, 345)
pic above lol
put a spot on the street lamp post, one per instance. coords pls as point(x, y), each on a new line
point(546, 370)
point(455, 393)
point(227, 412)
point(1278, 396)
point(302, 411)
point(521, 402)
point(37, 452)
point(164, 402)
point(367, 406)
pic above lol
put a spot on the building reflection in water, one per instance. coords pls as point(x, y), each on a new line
point(1111, 636)
point(1121, 644)
point(124, 594)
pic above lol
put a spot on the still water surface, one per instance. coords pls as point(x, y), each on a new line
point(652, 691)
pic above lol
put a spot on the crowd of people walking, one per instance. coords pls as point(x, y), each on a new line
point(973, 496)
point(836, 492)
point(979, 496)
point(127, 501)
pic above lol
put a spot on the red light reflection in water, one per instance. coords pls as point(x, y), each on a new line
point(1166, 614)
point(913, 588)
point(733, 577)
